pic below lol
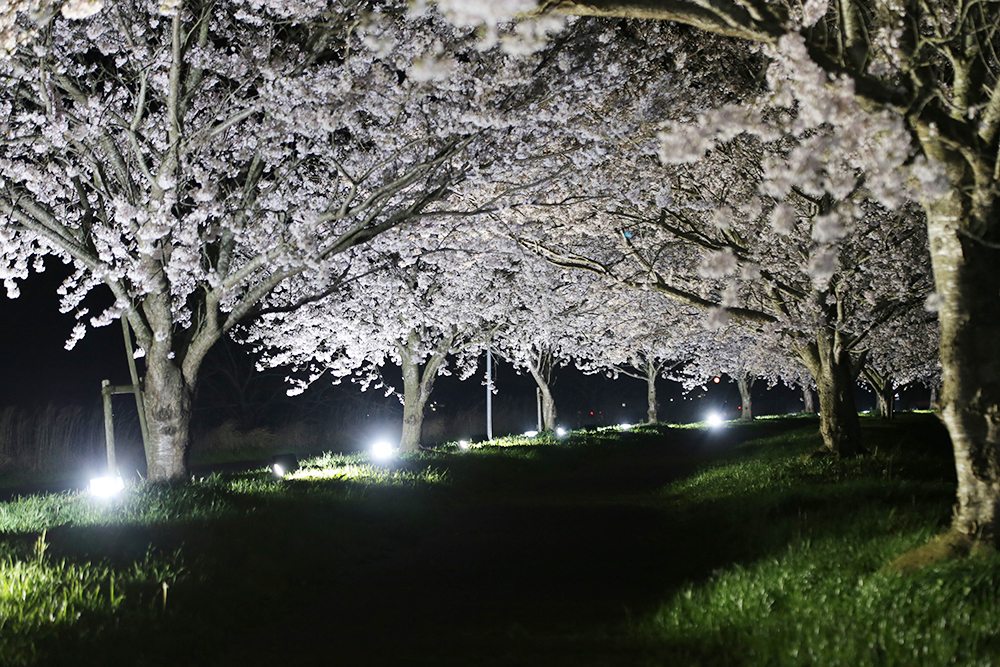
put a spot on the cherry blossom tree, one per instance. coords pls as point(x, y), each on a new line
point(194, 157)
point(430, 313)
point(639, 335)
point(547, 315)
point(926, 65)
point(742, 355)
point(738, 184)
point(900, 353)
point(801, 269)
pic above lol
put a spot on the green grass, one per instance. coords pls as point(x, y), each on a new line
point(653, 546)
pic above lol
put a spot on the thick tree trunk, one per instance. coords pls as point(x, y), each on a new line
point(886, 399)
point(885, 392)
point(168, 413)
point(413, 421)
point(417, 387)
point(831, 366)
point(651, 398)
point(886, 402)
point(965, 257)
point(548, 408)
point(548, 403)
point(808, 403)
point(745, 383)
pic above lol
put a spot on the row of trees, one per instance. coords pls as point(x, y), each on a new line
point(778, 168)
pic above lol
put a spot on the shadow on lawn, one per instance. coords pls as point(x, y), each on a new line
point(539, 559)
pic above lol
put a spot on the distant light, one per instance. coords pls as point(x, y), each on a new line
point(713, 419)
point(105, 487)
point(282, 464)
point(561, 432)
point(464, 444)
point(530, 434)
point(739, 407)
point(717, 380)
point(382, 450)
point(624, 427)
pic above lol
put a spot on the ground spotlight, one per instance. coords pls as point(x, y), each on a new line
point(105, 487)
point(383, 450)
point(713, 419)
point(283, 464)
point(561, 432)
point(624, 427)
point(530, 434)
point(464, 444)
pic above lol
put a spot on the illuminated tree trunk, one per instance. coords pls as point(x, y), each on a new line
point(540, 367)
point(168, 413)
point(417, 386)
point(965, 250)
point(651, 403)
point(885, 392)
point(745, 383)
point(830, 363)
point(808, 404)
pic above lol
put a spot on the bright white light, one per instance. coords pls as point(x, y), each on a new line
point(561, 432)
point(713, 419)
point(105, 487)
point(464, 444)
point(278, 470)
point(624, 427)
point(382, 449)
point(530, 434)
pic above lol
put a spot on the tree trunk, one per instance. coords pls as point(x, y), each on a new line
point(417, 386)
point(745, 383)
point(886, 402)
point(548, 403)
point(932, 402)
point(968, 289)
point(651, 395)
point(886, 398)
point(885, 392)
point(831, 366)
point(808, 403)
point(168, 412)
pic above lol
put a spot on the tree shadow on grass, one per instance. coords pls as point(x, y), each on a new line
point(540, 562)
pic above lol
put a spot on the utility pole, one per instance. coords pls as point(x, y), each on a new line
point(489, 393)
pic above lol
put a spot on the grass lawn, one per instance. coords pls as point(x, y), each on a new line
point(658, 546)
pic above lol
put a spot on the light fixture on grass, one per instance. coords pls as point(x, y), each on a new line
point(105, 487)
point(283, 464)
point(624, 427)
point(561, 432)
point(382, 450)
point(713, 420)
point(464, 444)
point(530, 434)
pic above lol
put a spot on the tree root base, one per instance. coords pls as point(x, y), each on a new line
point(952, 545)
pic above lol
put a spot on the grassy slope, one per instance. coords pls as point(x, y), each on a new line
point(670, 546)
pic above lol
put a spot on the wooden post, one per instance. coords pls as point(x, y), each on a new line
point(140, 403)
point(109, 427)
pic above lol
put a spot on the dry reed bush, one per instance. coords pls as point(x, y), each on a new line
point(229, 437)
point(50, 438)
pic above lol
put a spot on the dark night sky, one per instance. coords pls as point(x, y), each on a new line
point(36, 367)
